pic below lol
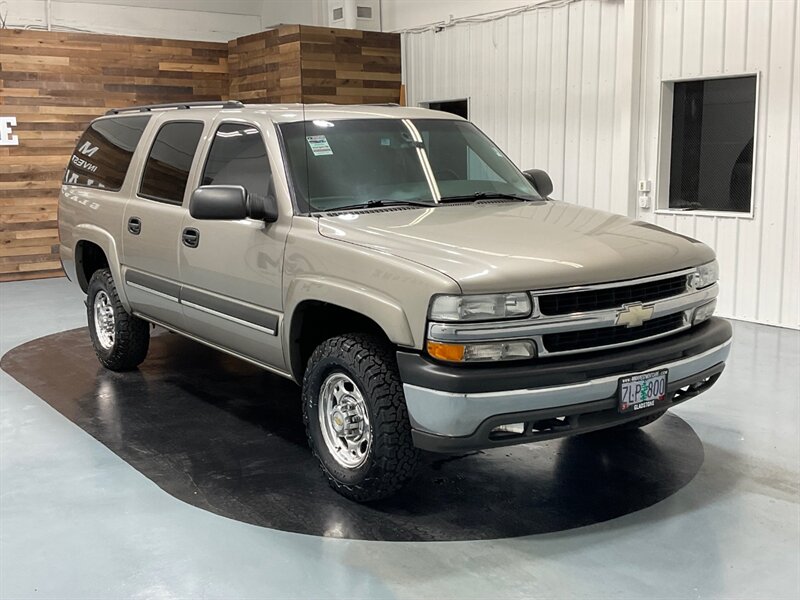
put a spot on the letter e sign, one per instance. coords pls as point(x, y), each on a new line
point(6, 137)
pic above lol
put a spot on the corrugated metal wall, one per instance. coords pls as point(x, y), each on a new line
point(759, 257)
point(541, 84)
point(544, 85)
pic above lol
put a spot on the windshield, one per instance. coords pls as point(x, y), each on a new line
point(354, 162)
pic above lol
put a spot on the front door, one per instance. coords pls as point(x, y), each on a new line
point(231, 271)
point(152, 226)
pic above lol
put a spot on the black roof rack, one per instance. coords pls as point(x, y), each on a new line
point(177, 105)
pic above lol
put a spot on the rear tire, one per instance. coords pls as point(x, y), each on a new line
point(356, 417)
point(120, 340)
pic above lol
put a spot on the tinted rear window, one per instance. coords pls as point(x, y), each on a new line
point(103, 153)
point(167, 169)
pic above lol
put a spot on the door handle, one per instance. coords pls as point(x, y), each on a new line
point(191, 237)
point(135, 225)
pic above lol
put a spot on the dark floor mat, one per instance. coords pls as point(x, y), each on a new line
point(227, 437)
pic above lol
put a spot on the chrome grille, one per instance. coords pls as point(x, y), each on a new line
point(585, 319)
point(611, 297)
point(570, 341)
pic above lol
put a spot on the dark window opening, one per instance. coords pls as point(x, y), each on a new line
point(238, 157)
point(711, 164)
point(454, 107)
point(166, 171)
point(103, 154)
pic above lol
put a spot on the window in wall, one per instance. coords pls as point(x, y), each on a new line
point(103, 154)
point(238, 157)
point(454, 107)
point(167, 168)
point(711, 156)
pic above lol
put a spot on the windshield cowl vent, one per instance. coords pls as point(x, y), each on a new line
point(367, 211)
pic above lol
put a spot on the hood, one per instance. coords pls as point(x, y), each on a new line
point(512, 246)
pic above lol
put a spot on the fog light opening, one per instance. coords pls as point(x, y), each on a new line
point(704, 312)
point(508, 430)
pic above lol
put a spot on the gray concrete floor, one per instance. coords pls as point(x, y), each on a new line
point(76, 521)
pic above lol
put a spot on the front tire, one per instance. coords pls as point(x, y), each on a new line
point(120, 340)
point(356, 417)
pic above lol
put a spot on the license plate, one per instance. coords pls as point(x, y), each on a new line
point(637, 392)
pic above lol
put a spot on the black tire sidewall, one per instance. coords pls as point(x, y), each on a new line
point(131, 334)
point(98, 283)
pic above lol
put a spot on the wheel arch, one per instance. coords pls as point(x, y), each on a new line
point(320, 310)
point(96, 249)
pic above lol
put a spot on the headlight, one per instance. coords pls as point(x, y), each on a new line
point(705, 275)
point(480, 307)
point(483, 352)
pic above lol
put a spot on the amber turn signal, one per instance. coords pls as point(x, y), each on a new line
point(449, 352)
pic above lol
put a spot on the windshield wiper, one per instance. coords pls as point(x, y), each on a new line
point(485, 196)
point(381, 203)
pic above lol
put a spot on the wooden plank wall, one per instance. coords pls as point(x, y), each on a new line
point(346, 66)
point(54, 83)
point(265, 66)
point(299, 63)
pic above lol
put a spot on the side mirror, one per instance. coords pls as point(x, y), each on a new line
point(230, 203)
point(540, 180)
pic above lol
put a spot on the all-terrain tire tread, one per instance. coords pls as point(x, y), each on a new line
point(132, 335)
point(393, 456)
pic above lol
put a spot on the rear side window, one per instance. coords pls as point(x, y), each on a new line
point(103, 154)
point(167, 168)
point(238, 157)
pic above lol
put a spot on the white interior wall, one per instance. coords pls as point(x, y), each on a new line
point(193, 20)
point(575, 89)
point(406, 14)
point(759, 256)
point(300, 12)
point(542, 84)
point(209, 20)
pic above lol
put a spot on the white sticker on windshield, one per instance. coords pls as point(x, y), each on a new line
point(319, 145)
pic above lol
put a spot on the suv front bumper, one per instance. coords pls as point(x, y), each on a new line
point(456, 408)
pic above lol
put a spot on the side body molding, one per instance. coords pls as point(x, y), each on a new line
point(232, 310)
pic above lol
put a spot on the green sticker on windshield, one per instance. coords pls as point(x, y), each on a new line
point(319, 145)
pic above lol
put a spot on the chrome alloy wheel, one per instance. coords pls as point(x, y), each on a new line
point(104, 320)
point(344, 421)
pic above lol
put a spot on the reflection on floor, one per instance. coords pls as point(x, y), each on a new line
point(707, 506)
point(228, 437)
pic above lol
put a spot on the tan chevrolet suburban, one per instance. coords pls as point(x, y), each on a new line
point(425, 293)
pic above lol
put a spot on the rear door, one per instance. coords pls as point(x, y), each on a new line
point(152, 222)
point(232, 271)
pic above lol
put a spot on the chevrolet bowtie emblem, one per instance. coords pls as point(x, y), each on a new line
point(634, 315)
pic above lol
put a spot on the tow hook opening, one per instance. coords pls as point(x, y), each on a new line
point(512, 430)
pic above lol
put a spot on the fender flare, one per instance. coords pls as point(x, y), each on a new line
point(373, 304)
point(92, 233)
